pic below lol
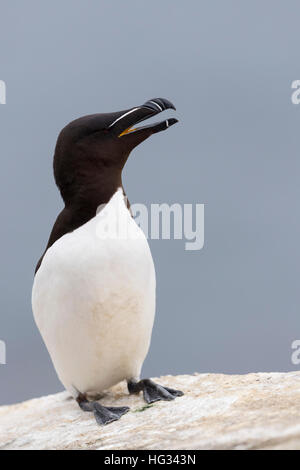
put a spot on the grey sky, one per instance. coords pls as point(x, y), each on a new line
point(228, 66)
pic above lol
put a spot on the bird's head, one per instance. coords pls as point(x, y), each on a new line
point(92, 150)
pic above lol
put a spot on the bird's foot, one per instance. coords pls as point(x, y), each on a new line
point(153, 392)
point(103, 414)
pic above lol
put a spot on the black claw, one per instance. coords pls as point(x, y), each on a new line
point(120, 409)
point(153, 392)
point(175, 393)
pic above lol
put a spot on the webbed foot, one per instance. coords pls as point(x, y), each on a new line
point(103, 414)
point(153, 392)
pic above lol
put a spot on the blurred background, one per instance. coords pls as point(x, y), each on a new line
point(228, 66)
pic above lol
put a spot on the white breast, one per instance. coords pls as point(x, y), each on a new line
point(94, 300)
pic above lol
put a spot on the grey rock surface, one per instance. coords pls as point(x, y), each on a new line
point(253, 411)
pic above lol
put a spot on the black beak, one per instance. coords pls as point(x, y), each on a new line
point(159, 104)
point(123, 126)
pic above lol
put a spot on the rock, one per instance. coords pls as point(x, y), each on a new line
point(254, 411)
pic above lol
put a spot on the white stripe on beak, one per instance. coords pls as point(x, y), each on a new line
point(123, 115)
point(156, 104)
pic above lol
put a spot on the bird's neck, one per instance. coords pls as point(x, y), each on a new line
point(94, 193)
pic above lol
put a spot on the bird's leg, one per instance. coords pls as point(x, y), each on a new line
point(103, 414)
point(152, 392)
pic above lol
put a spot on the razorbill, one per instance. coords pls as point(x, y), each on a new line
point(93, 295)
